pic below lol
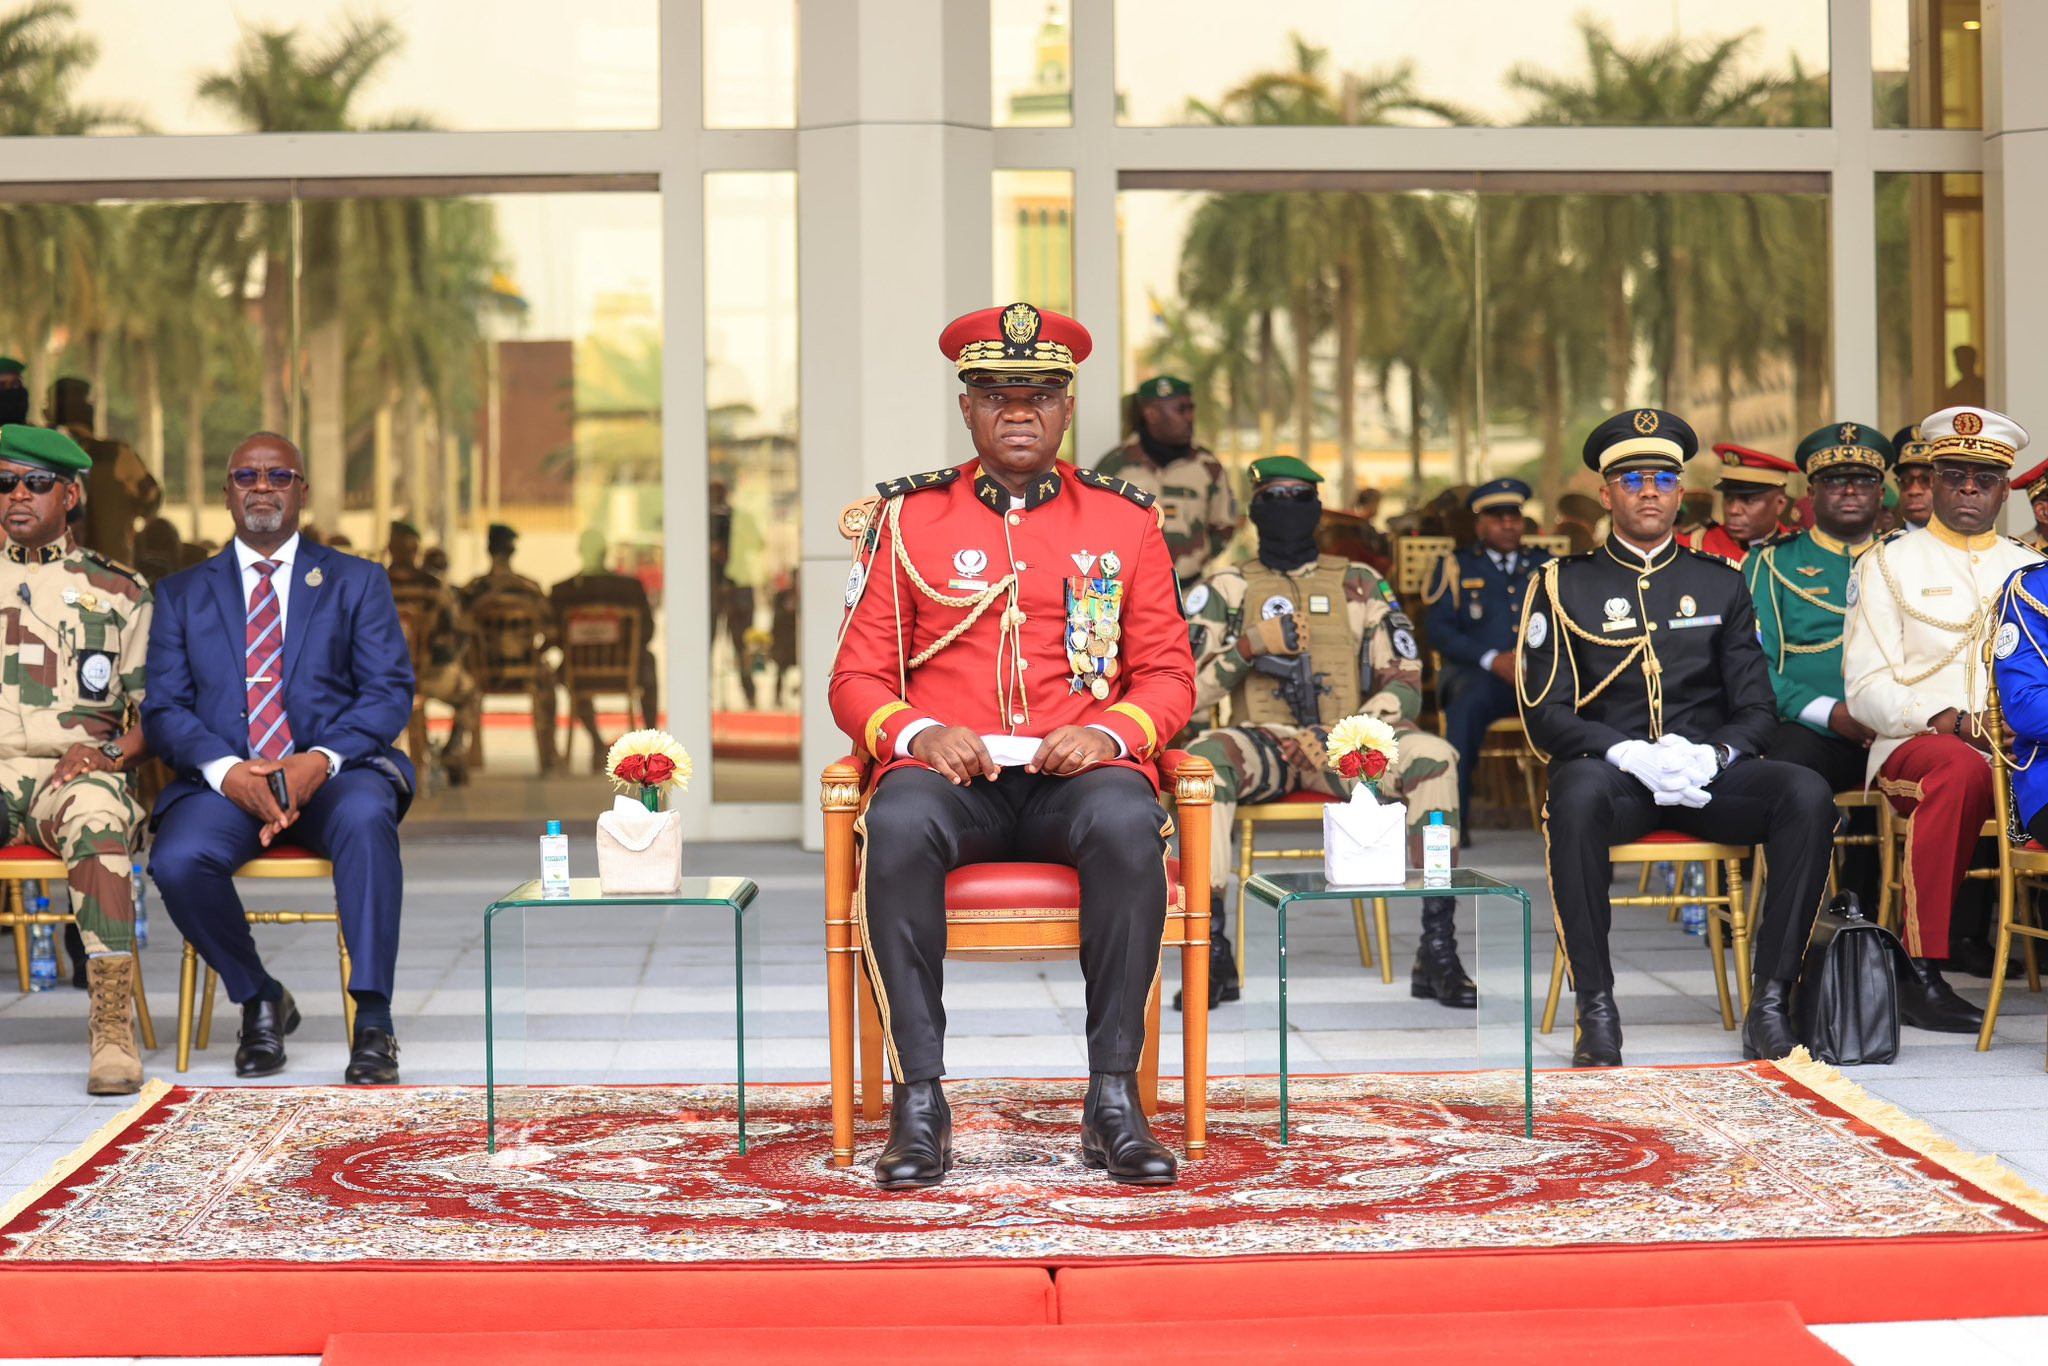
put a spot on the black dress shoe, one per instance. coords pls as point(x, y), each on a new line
point(1975, 958)
point(264, 1025)
point(1767, 1029)
point(1223, 982)
point(920, 1149)
point(1115, 1137)
point(372, 1059)
point(1596, 1039)
point(1928, 1002)
point(1438, 975)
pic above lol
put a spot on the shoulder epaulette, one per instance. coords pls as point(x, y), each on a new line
point(1709, 555)
point(1095, 479)
point(1893, 535)
point(108, 562)
point(916, 483)
point(1785, 539)
point(2023, 544)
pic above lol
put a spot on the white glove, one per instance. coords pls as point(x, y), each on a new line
point(1641, 760)
point(1698, 764)
point(1694, 797)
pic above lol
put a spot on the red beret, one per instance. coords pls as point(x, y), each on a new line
point(2034, 481)
point(1016, 340)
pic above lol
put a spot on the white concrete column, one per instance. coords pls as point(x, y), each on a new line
point(1852, 215)
point(1097, 256)
point(2016, 207)
point(894, 158)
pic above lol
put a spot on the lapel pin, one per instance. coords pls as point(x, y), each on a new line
point(314, 578)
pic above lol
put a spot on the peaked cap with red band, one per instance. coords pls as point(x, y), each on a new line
point(1759, 469)
point(1018, 343)
point(2034, 483)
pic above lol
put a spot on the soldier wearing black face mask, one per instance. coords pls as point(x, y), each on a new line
point(13, 392)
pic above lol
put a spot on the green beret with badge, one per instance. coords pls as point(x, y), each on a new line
point(1163, 386)
point(1268, 468)
point(10, 366)
point(45, 448)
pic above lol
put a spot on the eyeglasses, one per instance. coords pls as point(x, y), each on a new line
point(1664, 481)
point(276, 477)
point(1288, 493)
point(39, 482)
point(1866, 478)
point(1976, 481)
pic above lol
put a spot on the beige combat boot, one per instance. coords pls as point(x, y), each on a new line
point(116, 1060)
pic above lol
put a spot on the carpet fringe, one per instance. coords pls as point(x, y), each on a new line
point(151, 1093)
point(1985, 1172)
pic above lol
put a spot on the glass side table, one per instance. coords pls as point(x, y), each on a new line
point(1495, 951)
point(523, 925)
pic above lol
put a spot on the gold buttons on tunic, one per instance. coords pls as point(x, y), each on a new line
point(1016, 519)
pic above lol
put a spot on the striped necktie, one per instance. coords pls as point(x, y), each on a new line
point(270, 735)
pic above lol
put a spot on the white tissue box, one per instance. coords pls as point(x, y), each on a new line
point(639, 852)
point(1365, 842)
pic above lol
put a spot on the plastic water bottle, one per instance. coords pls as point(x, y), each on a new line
point(42, 951)
point(1663, 878)
point(554, 863)
point(139, 887)
point(1436, 852)
point(1693, 915)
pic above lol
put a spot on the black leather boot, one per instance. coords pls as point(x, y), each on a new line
point(1767, 1029)
point(1928, 1002)
point(1596, 1038)
point(1223, 984)
point(1115, 1137)
point(1438, 974)
point(920, 1149)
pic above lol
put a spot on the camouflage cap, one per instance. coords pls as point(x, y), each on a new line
point(44, 447)
point(1269, 468)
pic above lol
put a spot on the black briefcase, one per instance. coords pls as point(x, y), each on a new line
point(1848, 1009)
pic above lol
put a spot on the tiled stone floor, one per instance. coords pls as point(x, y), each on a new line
point(637, 997)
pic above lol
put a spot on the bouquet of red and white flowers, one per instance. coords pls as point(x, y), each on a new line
point(648, 763)
point(1363, 748)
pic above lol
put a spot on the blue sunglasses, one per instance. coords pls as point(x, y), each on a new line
point(1634, 481)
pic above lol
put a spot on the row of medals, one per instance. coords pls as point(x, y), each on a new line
point(1091, 650)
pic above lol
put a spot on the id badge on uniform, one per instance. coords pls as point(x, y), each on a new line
point(1092, 632)
point(95, 674)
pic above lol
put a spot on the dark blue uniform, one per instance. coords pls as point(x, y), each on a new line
point(1475, 607)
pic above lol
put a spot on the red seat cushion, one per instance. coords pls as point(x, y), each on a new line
point(1669, 837)
point(1309, 798)
point(25, 853)
point(1046, 888)
point(283, 851)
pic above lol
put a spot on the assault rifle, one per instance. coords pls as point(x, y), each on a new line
point(1300, 685)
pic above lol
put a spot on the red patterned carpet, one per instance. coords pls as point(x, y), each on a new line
point(1739, 1154)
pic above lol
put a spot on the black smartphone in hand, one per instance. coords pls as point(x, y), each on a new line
point(280, 789)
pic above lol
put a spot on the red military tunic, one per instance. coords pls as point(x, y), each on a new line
point(962, 538)
point(1715, 540)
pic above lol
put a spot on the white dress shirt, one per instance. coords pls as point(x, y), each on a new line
point(216, 771)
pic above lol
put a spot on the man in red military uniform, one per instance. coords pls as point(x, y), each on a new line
point(1014, 657)
point(1753, 501)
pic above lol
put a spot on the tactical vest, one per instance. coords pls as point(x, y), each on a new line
point(1327, 639)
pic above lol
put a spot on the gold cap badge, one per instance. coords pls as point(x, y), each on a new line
point(1646, 422)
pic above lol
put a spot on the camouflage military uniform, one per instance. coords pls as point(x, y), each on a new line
point(443, 673)
point(120, 492)
point(1357, 636)
point(504, 585)
point(77, 629)
point(1195, 502)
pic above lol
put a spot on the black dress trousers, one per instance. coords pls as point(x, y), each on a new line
point(1106, 823)
point(1787, 809)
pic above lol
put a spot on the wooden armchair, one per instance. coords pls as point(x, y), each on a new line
point(413, 620)
point(508, 638)
point(1043, 921)
point(600, 658)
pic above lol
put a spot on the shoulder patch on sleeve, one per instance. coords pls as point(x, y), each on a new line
point(916, 483)
point(1095, 479)
point(1197, 598)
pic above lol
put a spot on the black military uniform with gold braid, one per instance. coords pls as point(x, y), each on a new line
point(1642, 681)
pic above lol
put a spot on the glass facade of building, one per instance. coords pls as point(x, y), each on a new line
point(475, 257)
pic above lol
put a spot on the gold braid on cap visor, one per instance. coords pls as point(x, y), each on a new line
point(995, 355)
point(1845, 455)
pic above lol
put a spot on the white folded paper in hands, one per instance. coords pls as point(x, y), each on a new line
point(1676, 770)
point(1011, 751)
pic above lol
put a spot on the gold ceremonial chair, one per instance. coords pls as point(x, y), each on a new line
point(508, 635)
point(1507, 743)
point(1724, 908)
point(600, 658)
point(1015, 912)
point(1296, 809)
point(21, 864)
point(2022, 867)
point(1893, 832)
point(279, 861)
point(412, 625)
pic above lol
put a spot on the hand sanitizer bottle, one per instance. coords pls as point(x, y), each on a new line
point(554, 863)
point(1436, 852)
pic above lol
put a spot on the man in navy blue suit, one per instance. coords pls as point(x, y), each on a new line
point(278, 656)
point(1475, 609)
